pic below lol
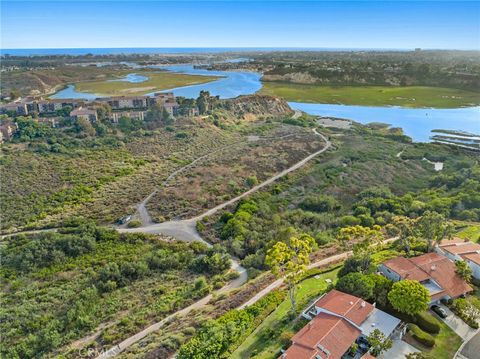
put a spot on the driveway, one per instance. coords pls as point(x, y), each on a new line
point(399, 350)
point(458, 325)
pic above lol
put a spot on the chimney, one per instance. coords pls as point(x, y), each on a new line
point(351, 303)
point(363, 304)
point(433, 267)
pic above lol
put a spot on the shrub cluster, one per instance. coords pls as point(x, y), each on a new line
point(468, 312)
point(220, 337)
point(428, 322)
point(423, 337)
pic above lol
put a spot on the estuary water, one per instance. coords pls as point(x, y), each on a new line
point(416, 122)
point(133, 78)
point(231, 84)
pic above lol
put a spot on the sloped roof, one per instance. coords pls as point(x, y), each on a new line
point(332, 331)
point(442, 270)
point(433, 266)
point(452, 242)
point(406, 269)
point(461, 248)
point(325, 335)
point(345, 305)
point(474, 257)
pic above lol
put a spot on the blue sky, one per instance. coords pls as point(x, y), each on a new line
point(339, 24)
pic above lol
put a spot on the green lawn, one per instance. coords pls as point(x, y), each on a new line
point(447, 343)
point(157, 81)
point(471, 232)
point(265, 341)
point(410, 96)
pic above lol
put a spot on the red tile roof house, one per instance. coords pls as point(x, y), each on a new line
point(337, 321)
point(85, 113)
point(459, 249)
point(435, 272)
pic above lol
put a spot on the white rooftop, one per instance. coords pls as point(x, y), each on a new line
point(379, 320)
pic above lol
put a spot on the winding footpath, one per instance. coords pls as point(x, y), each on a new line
point(185, 230)
point(142, 210)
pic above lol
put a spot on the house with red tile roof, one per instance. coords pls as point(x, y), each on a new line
point(458, 249)
point(84, 113)
point(434, 271)
point(336, 321)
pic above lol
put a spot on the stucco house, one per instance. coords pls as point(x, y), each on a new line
point(458, 249)
point(434, 271)
point(336, 321)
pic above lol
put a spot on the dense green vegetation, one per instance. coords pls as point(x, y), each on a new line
point(219, 338)
point(57, 286)
point(52, 173)
point(60, 286)
point(361, 183)
point(446, 342)
point(408, 96)
point(468, 310)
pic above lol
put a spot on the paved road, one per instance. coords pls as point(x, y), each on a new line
point(141, 208)
point(154, 327)
point(270, 180)
point(470, 349)
point(279, 282)
point(320, 263)
point(186, 231)
point(142, 211)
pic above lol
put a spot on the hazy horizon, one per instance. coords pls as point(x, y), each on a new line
point(235, 24)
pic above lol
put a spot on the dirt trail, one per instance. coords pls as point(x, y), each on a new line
point(185, 230)
point(142, 210)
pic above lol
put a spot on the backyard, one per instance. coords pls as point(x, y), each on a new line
point(447, 343)
point(267, 340)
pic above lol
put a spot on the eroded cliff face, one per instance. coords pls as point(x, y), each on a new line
point(257, 105)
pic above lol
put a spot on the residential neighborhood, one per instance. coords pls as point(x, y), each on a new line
point(339, 324)
point(32, 105)
point(338, 321)
point(459, 249)
point(51, 112)
point(435, 272)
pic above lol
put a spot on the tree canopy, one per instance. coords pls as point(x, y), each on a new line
point(356, 284)
point(289, 260)
point(409, 296)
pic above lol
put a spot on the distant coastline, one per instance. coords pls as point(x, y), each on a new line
point(170, 50)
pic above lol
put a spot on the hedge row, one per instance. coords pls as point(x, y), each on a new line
point(423, 337)
point(424, 320)
point(428, 322)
